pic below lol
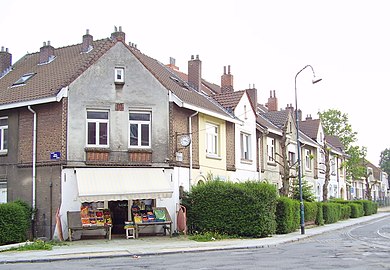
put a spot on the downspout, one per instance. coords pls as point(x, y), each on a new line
point(190, 133)
point(34, 146)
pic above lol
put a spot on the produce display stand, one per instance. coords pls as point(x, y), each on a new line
point(165, 222)
point(89, 220)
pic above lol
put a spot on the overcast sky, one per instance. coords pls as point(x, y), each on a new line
point(265, 42)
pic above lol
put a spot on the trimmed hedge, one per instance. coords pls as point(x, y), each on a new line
point(369, 207)
point(356, 210)
point(14, 222)
point(320, 214)
point(243, 209)
point(331, 212)
point(287, 215)
point(310, 212)
point(345, 211)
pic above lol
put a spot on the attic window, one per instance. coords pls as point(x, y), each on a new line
point(119, 75)
point(23, 79)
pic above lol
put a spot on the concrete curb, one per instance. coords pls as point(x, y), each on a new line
point(173, 247)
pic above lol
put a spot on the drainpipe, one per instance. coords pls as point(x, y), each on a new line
point(34, 148)
point(190, 132)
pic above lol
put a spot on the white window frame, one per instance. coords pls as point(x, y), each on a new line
point(97, 123)
point(308, 162)
point(291, 158)
point(139, 124)
point(333, 165)
point(4, 133)
point(119, 75)
point(245, 142)
point(212, 140)
point(271, 150)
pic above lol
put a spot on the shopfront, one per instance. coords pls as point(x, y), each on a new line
point(117, 190)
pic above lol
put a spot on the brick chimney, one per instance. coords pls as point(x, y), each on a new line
point(118, 35)
point(46, 53)
point(5, 61)
point(226, 81)
point(272, 103)
point(308, 117)
point(195, 73)
point(87, 42)
point(172, 63)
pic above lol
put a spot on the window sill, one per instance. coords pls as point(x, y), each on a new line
point(97, 149)
point(247, 161)
point(3, 152)
point(213, 157)
point(271, 164)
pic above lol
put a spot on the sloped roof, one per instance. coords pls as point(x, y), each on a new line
point(335, 142)
point(49, 78)
point(279, 118)
point(310, 127)
point(69, 63)
point(229, 99)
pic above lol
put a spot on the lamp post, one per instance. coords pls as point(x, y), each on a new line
point(301, 205)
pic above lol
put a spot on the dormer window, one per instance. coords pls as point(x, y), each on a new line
point(119, 75)
point(23, 79)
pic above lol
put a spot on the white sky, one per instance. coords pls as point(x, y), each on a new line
point(265, 42)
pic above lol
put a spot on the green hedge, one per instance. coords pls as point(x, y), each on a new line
point(310, 212)
point(356, 210)
point(320, 214)
point(14, 222)
point(345, 211)
point(243, 209)
point(369, 207)
point(331, 212)
point(287, 215)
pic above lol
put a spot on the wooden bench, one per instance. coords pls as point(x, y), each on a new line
point(167, 224)
point(74, 224)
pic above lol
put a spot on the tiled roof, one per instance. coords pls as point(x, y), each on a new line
point(310, 127)
point(170, 80)
point(229, 99)
point(49, 78)
point(69, 63)
point(335, 142)
point(279, 118)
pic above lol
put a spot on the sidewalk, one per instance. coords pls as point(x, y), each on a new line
point(102, 248)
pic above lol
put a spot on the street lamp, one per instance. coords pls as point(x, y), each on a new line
point(301, 206)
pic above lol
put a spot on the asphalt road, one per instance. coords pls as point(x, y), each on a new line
point(364, 246)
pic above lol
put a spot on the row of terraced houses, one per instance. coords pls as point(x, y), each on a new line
point(102, 123)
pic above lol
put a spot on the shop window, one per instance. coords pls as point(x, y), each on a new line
point(140, 129)
point(245, 140)
point(3, 134)
point(97, 128)
point(212, 140)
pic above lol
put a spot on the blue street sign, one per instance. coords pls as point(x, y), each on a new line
point(55, 155)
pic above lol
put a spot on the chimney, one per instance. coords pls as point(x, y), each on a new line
point(172, 63)
point(46, 53)
point(308, 117)
point(272, 104)
point(118, 35)
point(299, 115)
point(5, 61)
point(226, 81)
point(195, 72)
point(87, 42)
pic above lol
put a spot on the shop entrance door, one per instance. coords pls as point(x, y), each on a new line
point(119, 214)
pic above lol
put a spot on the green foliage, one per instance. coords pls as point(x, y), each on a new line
point(384, 161)
point(307, 191)
point(345, 211)
point(310, 211)
point(14, 223)
point(243, 209)
point(208, 236)
point(331, 212)
point(337, 124)
point(356, 210)
point(320, 214)
point(369, 207)
point(287, 215)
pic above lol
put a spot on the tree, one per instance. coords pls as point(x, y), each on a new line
point(307, 191)
point(326, 150)
point(384, 161)
point(336, 123)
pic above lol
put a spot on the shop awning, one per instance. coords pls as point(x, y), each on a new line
point(114, 184)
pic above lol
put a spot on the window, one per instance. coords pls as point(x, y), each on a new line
point(308, 158)
point(24, 79)
point(333, 165)
point(3, 134)
point(245, 140)
point(291, 158)
point(3, 191)
point(211, 140)
point(97, 128)
point(271, 149)
point(139, 125)
point(119, 75)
